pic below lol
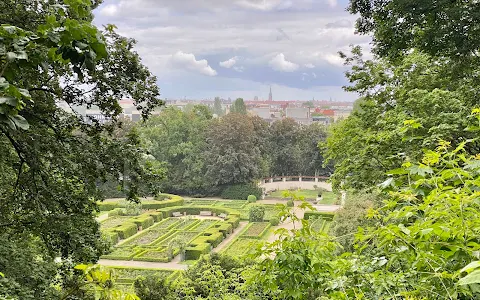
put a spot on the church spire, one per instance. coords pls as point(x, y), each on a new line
point(270, 98)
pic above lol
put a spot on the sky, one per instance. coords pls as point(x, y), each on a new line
point(200, 49)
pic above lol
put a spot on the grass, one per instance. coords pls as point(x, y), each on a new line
point(256, 229)
point(240, 247)
point(328, 197)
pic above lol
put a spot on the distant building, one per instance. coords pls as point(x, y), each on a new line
point(300, 114)
point(255, 98)
point(270, 97)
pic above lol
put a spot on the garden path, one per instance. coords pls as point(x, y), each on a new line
point(173, 265)
point(234, 234)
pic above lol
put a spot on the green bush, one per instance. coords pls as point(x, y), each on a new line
point(224, 227)
point(234, 220)
point(115, 212)
point(111, 237)
point(132, 209)
point(107, 206)
point(150, 204)
point(161, 197)
point(126, 230)
point(256, 213)
point(212, 237)
point(195, 210)
point(195, 251)
point(174, 201)
point(156, 215)
point(241, 191)
point(290, 203)
point(274, 221)
point(252, 198)
point(144, 221)
point(318, 214)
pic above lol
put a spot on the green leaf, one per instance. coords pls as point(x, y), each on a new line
point(81, 267)
point(470, 266)
point(404, 229)
point(471, 278)
point(20, 122)
point(9, 101)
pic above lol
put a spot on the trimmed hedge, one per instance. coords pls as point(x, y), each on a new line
point(126, 230)
point(111, 236)
point(224, 228)
point(194, 251)
point(122, 254)
point(195, 210)
point(115, 212)
point(319, 214)
point(156, 215)
point(143, 221)
point(213, 238)
point(241, 191)
point(234, 220)
point(149, 255)
point(149, 204)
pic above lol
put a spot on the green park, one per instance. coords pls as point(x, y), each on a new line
point(127, 171)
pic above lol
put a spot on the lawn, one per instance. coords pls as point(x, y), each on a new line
point(328, 197)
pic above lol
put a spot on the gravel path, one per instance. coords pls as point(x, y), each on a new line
point(142, 264)
point(232, 236)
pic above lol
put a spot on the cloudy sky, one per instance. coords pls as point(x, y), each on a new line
point(239, 48)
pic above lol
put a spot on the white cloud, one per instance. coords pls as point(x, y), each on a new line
point(314, 75)
point(309, 66)
point(189, 62)
point(332, 3)
point(334, 59)
point(239, 69)
point(109, 10)
point(279, 63)
point(229, 63)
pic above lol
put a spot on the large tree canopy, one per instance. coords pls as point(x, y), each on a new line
point(52, 160)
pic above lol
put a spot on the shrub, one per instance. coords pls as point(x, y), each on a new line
point(290, 203)
point(132, 209)
point(352, 215)
point(234, 220)
point(161, 197)
point(144, 221)
point(153, 287)
point(274, 221)
point(256, 213)
point(223, 227)
point(156, 215)
point(241, 191)
point(318, 215)
point(252, 198)
point(126, 230)
point(111, 237)
point(214, 238)
point(115, 212)
point(195, 251)
point(174, 201)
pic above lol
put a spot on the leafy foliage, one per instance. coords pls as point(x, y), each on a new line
point(256, 213)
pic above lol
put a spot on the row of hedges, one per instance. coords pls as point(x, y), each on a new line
point(173, 200)
point(195, 210)
point(318, 215)
point(241, 191)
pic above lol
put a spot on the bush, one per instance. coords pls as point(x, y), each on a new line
point(318, 215)
point(153, 287)
point(252, 198)
point(212, 237)
point(143, 221)
point(156, 215)
point(224, 228)
point(195, 251)
point(241, 191)
point(351, 216)
point(290, 203)
point(126, 230)
point(132, 209)
point(256, 213)
point(274, 221)
point(234, 220)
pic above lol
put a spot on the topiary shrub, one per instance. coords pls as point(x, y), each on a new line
point(241, 191)
point(252, 198)
point(274, 221)
point(256, 213)
point(290, 203)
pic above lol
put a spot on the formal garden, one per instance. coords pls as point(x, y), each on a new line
point(168, 229)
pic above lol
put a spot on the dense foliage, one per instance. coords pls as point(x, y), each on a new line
point(52, 160)
point(225, 156)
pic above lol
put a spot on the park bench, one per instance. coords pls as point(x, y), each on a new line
point(206, 213)
point(223, 216)
point(177, 214)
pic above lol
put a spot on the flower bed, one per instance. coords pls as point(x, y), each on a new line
point(256, 230)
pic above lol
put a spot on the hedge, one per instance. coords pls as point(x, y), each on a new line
point(156, 215)
point(128, 254)
point(223, 227)
point(194, 251)
point(214, 238)
point(143, 256)
point(126, 230)
point(111, 236)
point(234, 220)
point(319, 214)
point(150, 204)
point(195, 210)
point(115, 212)
point(143, 221)
point(241, 191)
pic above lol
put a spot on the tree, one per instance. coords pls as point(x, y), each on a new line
point(239, 107)
point(52, 160)
point(217, 107)
point(439, 30)
point(285, 148)
point(178, 139)
point(232, 156)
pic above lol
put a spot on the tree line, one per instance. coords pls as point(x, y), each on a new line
point(203, 155)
